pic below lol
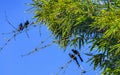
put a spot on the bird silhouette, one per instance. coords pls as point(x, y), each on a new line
point(77, 53)
point(26, 24)
point(74, 58)
point(20, 28)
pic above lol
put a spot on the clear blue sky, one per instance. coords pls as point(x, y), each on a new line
point(44, 62)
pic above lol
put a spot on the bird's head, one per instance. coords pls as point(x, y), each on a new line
point(72, 49)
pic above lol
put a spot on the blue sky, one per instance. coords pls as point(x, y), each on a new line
point(44, 62)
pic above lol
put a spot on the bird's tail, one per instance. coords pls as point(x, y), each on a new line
point(80, 58)
point(77, 63)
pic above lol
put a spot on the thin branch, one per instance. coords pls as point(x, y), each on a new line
point(9, 22)
point(8, 41)
point(16, 32)
point(64, 66)
point(40, 29)
point(45, 39)
point(36, 49)
point(8, 33)
point(27, 33)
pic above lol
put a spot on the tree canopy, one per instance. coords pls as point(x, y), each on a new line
point(75, 23)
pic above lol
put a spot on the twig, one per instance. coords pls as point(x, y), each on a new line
point(36, 49)
point(27, 33)
point(64, 66)
point(16, 32)
point(45, 40)
point(40, 30)
point(9, 32)
point(9, 22)
point(8, 41)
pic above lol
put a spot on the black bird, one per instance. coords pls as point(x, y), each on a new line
point(20, 28)
point(74, 58)
point(77, 53)
point(26, 24)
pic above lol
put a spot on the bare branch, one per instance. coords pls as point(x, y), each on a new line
point(9, 22)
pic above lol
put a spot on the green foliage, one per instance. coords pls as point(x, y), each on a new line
point(77, 22)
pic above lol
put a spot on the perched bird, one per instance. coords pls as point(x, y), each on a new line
point(20, 28)
point(26, 24)
point(77, 53)
point(74, 58)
